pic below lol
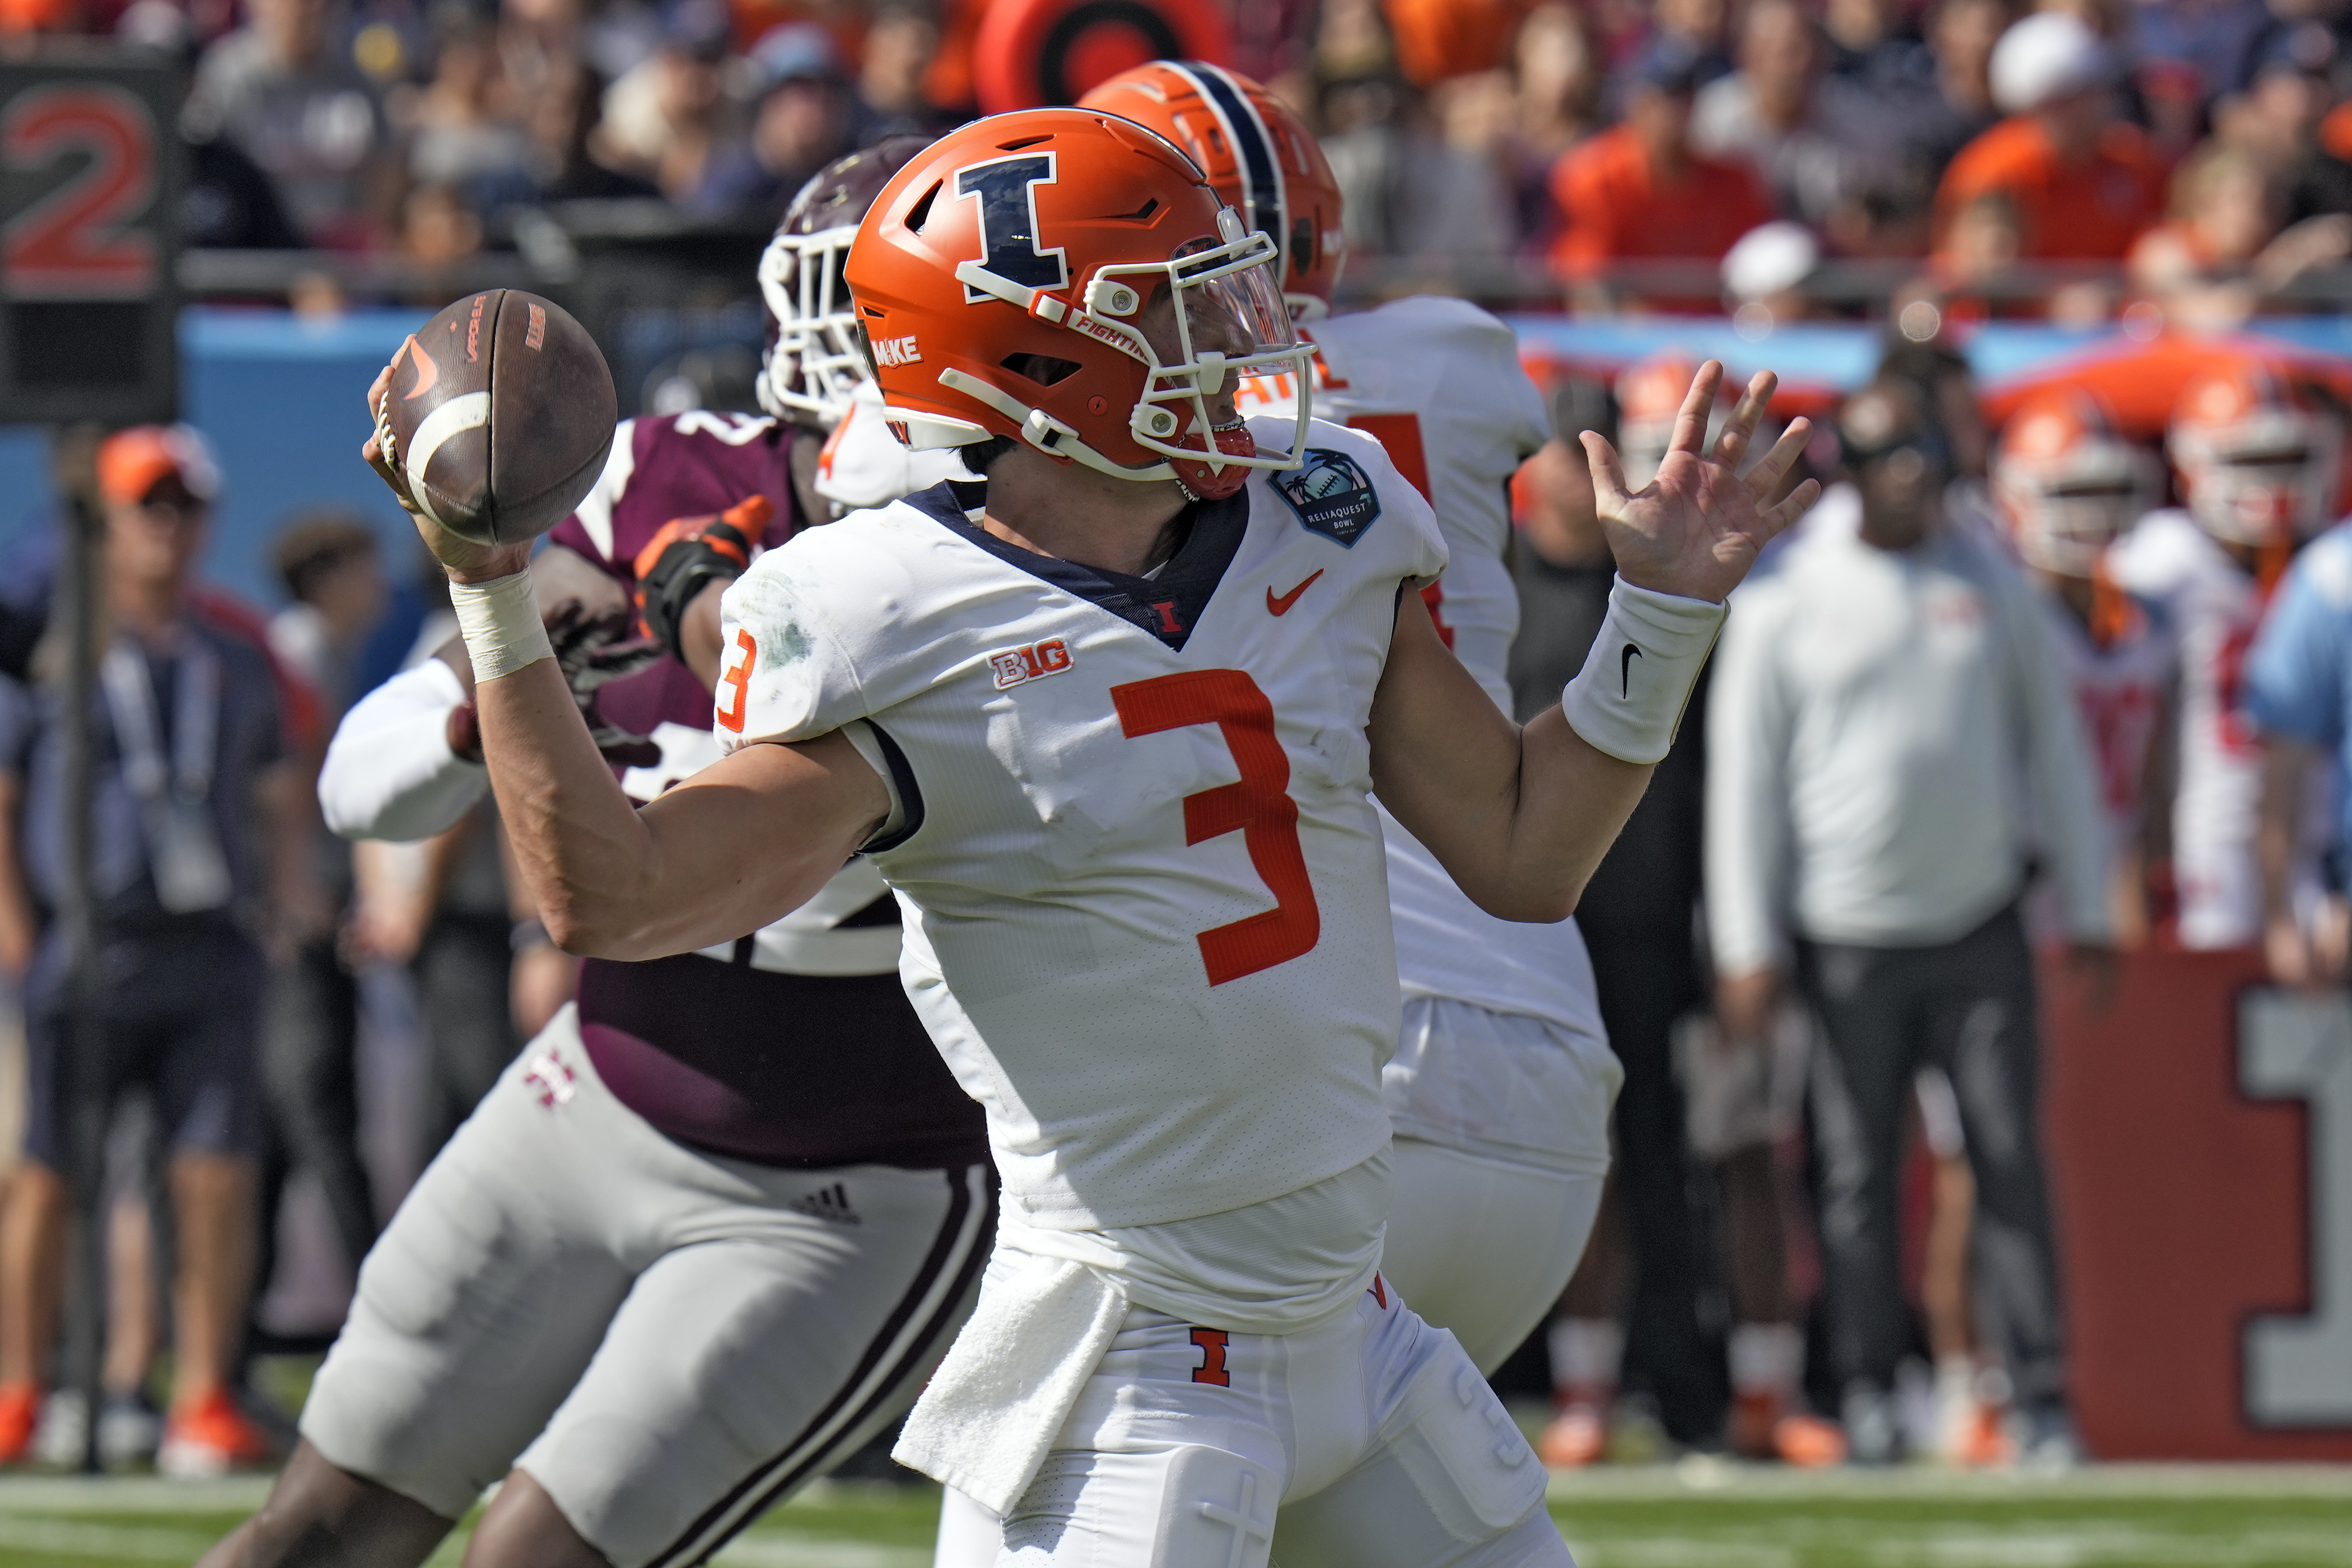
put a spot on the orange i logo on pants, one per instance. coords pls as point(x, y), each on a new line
point(1212, 1343)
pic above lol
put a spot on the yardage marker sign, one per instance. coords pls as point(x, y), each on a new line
point(89, 188)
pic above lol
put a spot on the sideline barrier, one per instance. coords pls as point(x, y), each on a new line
point(2201, 1139)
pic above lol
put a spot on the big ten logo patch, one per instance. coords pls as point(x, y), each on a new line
point(1015, 664)
point(896, 351)
point(1330, 495)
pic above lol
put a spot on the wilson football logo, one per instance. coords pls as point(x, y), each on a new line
point(1015, 664)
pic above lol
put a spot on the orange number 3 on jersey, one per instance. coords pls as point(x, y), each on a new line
point(1259, 805)
point(734, 688)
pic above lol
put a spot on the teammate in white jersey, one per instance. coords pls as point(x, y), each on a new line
point(2256, 467)
point(2068, 487)
point(1501, 1085)
point(1124, 805)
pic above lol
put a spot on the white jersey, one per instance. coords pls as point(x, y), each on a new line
point(2122, 689)
point(863, 465)
point(1140, 865)
point(2216, 607)
point(1439, 381)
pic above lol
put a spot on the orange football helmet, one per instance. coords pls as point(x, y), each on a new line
point(2256, 459)
point(1650, 394)
point(2067, 484)
point(1065, 277)
point(1259, 156)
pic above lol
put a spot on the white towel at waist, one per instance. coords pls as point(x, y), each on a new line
point(999, 1399)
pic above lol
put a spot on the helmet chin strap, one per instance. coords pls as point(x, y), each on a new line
point(1044, 432)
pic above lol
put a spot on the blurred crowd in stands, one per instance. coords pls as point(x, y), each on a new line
point(1513, 147)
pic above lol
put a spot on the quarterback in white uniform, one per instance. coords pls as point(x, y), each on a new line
point(1109, 722)
point(2256, 469)
point(1501, 1086)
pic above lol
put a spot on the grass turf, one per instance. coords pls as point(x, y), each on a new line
point(1696, 1515)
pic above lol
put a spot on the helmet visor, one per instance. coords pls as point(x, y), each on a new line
point(1233, 305)
point(1215, 317)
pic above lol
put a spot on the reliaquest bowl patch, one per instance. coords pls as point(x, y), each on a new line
point(1331, 495)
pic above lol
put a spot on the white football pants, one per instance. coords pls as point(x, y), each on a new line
point(1483, 1246)
point(1369, 1441)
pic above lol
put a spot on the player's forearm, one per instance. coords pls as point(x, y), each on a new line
point(1570, 804)
point(698, 636)
point(589, 862)
point(738, 846)
point(1519, 818)
point(389, 771)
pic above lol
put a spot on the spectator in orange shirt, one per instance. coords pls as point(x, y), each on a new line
point(1639, 190)
point(2084, 183)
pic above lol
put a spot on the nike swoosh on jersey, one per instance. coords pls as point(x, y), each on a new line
point(1281, 606)
point(1625, 671)
point(427, 373)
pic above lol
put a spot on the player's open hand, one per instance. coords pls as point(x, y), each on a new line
point(465, 561)
point(1695, 529)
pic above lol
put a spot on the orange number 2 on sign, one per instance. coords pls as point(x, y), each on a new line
point(72, 242)
point(1400, 434)
point(1259, 807)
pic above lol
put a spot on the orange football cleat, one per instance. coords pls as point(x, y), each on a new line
point(20, 1413)
point(1576, 1437)
point(210, 1436)
point(1985, 1443)
point(1807, 1442)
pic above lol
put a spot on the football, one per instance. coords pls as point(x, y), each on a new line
point(500, 414)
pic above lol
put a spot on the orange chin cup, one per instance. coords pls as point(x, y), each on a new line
point(1234, 441)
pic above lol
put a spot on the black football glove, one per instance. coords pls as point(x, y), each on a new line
point(591, 649)
point(686, 556)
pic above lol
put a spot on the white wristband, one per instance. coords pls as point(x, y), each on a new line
point(1629, 697)
point(499, 621)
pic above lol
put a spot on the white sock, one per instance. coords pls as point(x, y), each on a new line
point(1586, 1353)
point(1767, 1358)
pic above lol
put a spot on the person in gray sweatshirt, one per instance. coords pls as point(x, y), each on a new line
point(1892, 753)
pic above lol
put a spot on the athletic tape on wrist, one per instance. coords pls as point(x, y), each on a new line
point(1628, 699)
point(499, 621)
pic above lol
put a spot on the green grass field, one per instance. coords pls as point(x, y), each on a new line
point(1694, 1515)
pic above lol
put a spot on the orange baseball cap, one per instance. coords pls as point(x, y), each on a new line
point(132, 462)
point(39, 16)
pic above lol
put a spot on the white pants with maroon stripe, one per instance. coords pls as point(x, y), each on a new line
point(1369, 1441)
point(667, 1341)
